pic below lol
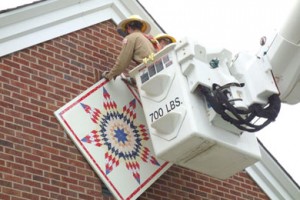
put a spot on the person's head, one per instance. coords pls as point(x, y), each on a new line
point(164, 39)
point(132, 24)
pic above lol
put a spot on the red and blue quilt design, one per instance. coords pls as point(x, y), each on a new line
point(119, 135)
point(107, 124)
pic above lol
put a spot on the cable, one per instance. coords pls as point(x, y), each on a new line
point(240, 118)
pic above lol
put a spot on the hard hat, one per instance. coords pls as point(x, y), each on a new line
point(145, 28)
point(164, 35)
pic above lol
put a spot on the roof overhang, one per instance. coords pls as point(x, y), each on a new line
point(39, 22)
point(272, 178)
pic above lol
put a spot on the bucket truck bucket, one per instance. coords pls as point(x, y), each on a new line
point(178, 118)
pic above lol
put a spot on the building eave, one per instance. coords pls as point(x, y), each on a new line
point(36, 23)
point(272, 178)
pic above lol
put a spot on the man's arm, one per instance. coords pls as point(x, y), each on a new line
point(123, 59)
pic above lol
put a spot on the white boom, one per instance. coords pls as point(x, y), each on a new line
point(284, 55)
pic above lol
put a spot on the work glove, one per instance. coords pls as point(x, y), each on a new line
point(104, 74)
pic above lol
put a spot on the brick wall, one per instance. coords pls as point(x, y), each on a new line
point(39, 161)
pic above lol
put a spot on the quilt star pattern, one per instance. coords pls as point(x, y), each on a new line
point(108, 126)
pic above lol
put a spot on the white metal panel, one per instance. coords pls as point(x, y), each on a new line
point(191, 141)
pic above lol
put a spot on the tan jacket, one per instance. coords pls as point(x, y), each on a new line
point(135, 47)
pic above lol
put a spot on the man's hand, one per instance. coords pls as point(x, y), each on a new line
point(104, 74)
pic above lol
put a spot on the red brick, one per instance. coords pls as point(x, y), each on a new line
point(5, 183)
point(47, 100)
point(213, 197)
point(93, 180)
point(58, 170)
point(95, 193)
point(14, 151)
point(77, 188)
point(59, 183)
point(40, 115)
point(85, 50)
point(192, 185)
point(19, 84)
point(51, 188)
point(234, 180)
point(68, 155)
point(22, 122)
point(20, 97)
point(57, 196)
point(230, 196)
point(51, 150)
point(218, 193)
point(21, 74)
point(14, 179)
point(53, 49)
point(28, 57)
point(205, 189)
point(32, 120)
point(22, 148)
point(69, 193)
point(50, 125)
point(20, 61)
point(32, 145)
point(41, 179)
point(17, 167)
point(40, 192)
point(14, 139)
point(77, 176)
point(71, 56)
point(39, 55)
point(34, 171)
point(11, 65)
point(223, 189)
point(86, 184)
point(80, 165)
point(24, 161)
point(7, 105)
point(69, 180)
point(6, 117)
point(32, 183)
point(62, 93)
point(55, 73)
point(28, 81)
point(11, 192)
point(79, 87)
point(22, 187)
point(30, 196)
point(9, 75)
point(23, 174)
point(236, 193)
point(41, 128)
point(39, 79)
point(240, 189)
point(18, 111)
point(36, 68)
point(7, 158)
point(11, 88)
point(52, 176)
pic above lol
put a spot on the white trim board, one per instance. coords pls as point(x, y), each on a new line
point(36, 23)
point(272, 178)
